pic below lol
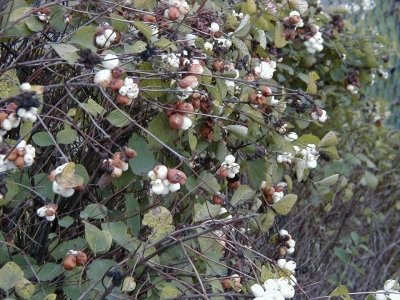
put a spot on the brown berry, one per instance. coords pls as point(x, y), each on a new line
point(124, 100)
point(222, 172)
point(129, 152)
point(173, 13)
point(118, 163)
point(185, 107)
point(100, 30)
point(227, 283)
point(278, 189)
point(148, 18)
point(11, 107)
point(188, 81)
point(19, 162)
point(217, 199)
point(176, 121)
point(196, 103)
point(234, 185)
point(266, 91)
point(218, 65)
point(294, 20)
point(81, 258)
point(176, 176)
point(117, 72)
point(282, 251)
point(21, 151)
point(3, 116)
point(80, 187)
point(13, 155)
point(117, 155)
point(69, 262)
point(116, 84)
point(196, 69)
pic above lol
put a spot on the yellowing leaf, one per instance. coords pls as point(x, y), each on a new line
point(68, 178)
point(311, 86)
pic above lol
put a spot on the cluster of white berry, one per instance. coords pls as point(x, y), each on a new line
point(130, 89)
point(315, 43)
point(285, 157)
point(21, 156)
point(229, 168)
point(275, 289)
point(265, 69)
point(105, 36)
point(177, 10)
point(170, 61)
point(48, 211)
point(391, 291)
point(291, 136)
point(295, 19)
point(8, 120)
point(58, 188)
point(165, 180)
point(105, 76)
point(27, 113)
point(310, 155)
point(319, 115)
point(273, 194)
point(288, 242)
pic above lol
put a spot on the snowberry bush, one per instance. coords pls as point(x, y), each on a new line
point(157, 149)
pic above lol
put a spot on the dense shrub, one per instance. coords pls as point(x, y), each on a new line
point(177, 150)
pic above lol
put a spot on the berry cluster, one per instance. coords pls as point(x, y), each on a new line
point(3, 185)
point(229, 168)
point(179, 116)
point(48, 211)
point(65, 185)
point(27, 103)
point(263, 97)
point(88, 58)
point(286, 242)
point(391, 291)
point(265, 69)
point(106, 35)
point(233, 282)
point(273, 194)
point(118, 164)
point(74, 258)
point(309, 155)
point(127, 92)
point(177, 10)
point(44, 14)
point(319, 114)
point(352, 82)
point(275, 289)
point(315, 43)
point(165, 180)
point(21, 156)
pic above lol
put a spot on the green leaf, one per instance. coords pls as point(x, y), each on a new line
point(129, 284)
point(34, 24)
point(329, 140)
point(9, 83)
point(97, 269)
point(49, 271)
point(138, 47)
point(81, 171)
point(119, 233)
point(66, 136)
point(84, 37)
point(369, 179)
point(265, 221)
point(341, 290)
point(331, 152)
point(93, 107)
point(99, 240)
point(132, 214)
point(192, 140)
point(12, 191)
point(307, 139)
point(205, 211)
point(266, 273)
point(119, 23)
point(144, 161)
point(94, 211)
point(51, 297)
point(208, 182)
point(256, 169)
point(67, 52)
point(243, 27)
point(284, 206)
point(279, 38)
point(24, 288)
point(328, 181)
point(159, 219)
point(165, 44)
point(42, 139)
point(243, 193)
point(241, 46)
point(10, 274)
point(143, 28)
point(238, 130)
point(117, 118)
point(159, 126)
point(343, 256)
point(66, 221)
point(25, 130)
point(169, 291)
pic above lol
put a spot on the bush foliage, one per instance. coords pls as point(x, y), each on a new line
point(156, 150)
